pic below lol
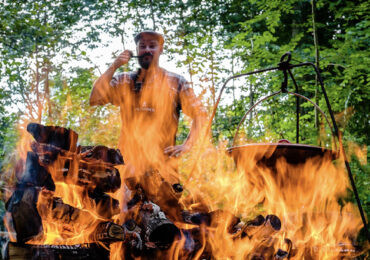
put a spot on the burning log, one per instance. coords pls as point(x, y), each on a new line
point(22, 206)
point(35, 174)
point(56, 157)
point(143, 209)
point(260, 231)
point(109, 232)
point(22, 203)
point(262, 228)
point(103, 154)
point(55, 210)
point(59, 137)
point(156, 229)
point(106, 206)
point(60, 252)
point(93, 168)
point(152, 187)
point(212, 219)
point(91, 171)
point(98, 176)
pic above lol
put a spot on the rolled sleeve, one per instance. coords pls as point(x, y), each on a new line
point(116, 86)
point(190, 103)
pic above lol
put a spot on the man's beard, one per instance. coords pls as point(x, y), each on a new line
point(145, 63)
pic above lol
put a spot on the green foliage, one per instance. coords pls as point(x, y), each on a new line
point(33, 34)
point(71, 109)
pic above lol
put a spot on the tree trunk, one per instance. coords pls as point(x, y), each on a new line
point(37, 90)
point(213, 85)
point(317, 58)
point(152, 14)
point(251, 98)
point(190, 69)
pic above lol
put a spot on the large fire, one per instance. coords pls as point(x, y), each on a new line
point(261, 201)
point(250, 202)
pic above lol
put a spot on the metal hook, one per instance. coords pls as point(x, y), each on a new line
point(287, 54)
point(284, 65)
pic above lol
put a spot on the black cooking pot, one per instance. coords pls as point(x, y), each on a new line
point(269, 153)
point(260, 162)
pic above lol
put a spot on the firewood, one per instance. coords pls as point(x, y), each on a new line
point(26, 219)
point(103, 154)
point(106, 206)
point(109, 232)
point(60, 137)
point(35, 174)
point(157, 228)
point(96, 175)
point(262, 228)
point(281, 254)
point(60, 252)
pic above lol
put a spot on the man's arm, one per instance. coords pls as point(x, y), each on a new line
point(101, 92)
point(197, 128)
point(192, 107)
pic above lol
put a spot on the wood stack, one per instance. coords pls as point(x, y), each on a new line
point(56, 157)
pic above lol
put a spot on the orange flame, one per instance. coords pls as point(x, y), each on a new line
point(304, 196)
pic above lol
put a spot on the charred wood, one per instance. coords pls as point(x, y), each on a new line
point(98, 176)
point(156, 227)
point(262, 228)
point(35, 174)
point(94, 167)
point(157, 230)
point(110, 232)
point(26, 219)
point(103, 154)
point(72, 169)
point(47, 153)
point(281, 254)
point(152, 187)
point(53, 209)
point(63, 212)
point(57, 252)
point(60, 137)
point(106, 206)
point(212, 219)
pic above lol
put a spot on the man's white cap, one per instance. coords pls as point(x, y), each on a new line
point(159, 36)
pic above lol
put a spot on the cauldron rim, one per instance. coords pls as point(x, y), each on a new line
point(281, 145)
point(292, 152)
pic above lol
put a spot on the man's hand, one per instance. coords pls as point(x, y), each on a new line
point(177, 150)
point(122, 59)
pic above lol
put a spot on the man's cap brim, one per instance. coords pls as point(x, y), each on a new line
point(157, 35)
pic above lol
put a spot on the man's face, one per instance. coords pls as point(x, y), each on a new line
point(149, 49)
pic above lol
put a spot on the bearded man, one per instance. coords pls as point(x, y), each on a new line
point(150, 101)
